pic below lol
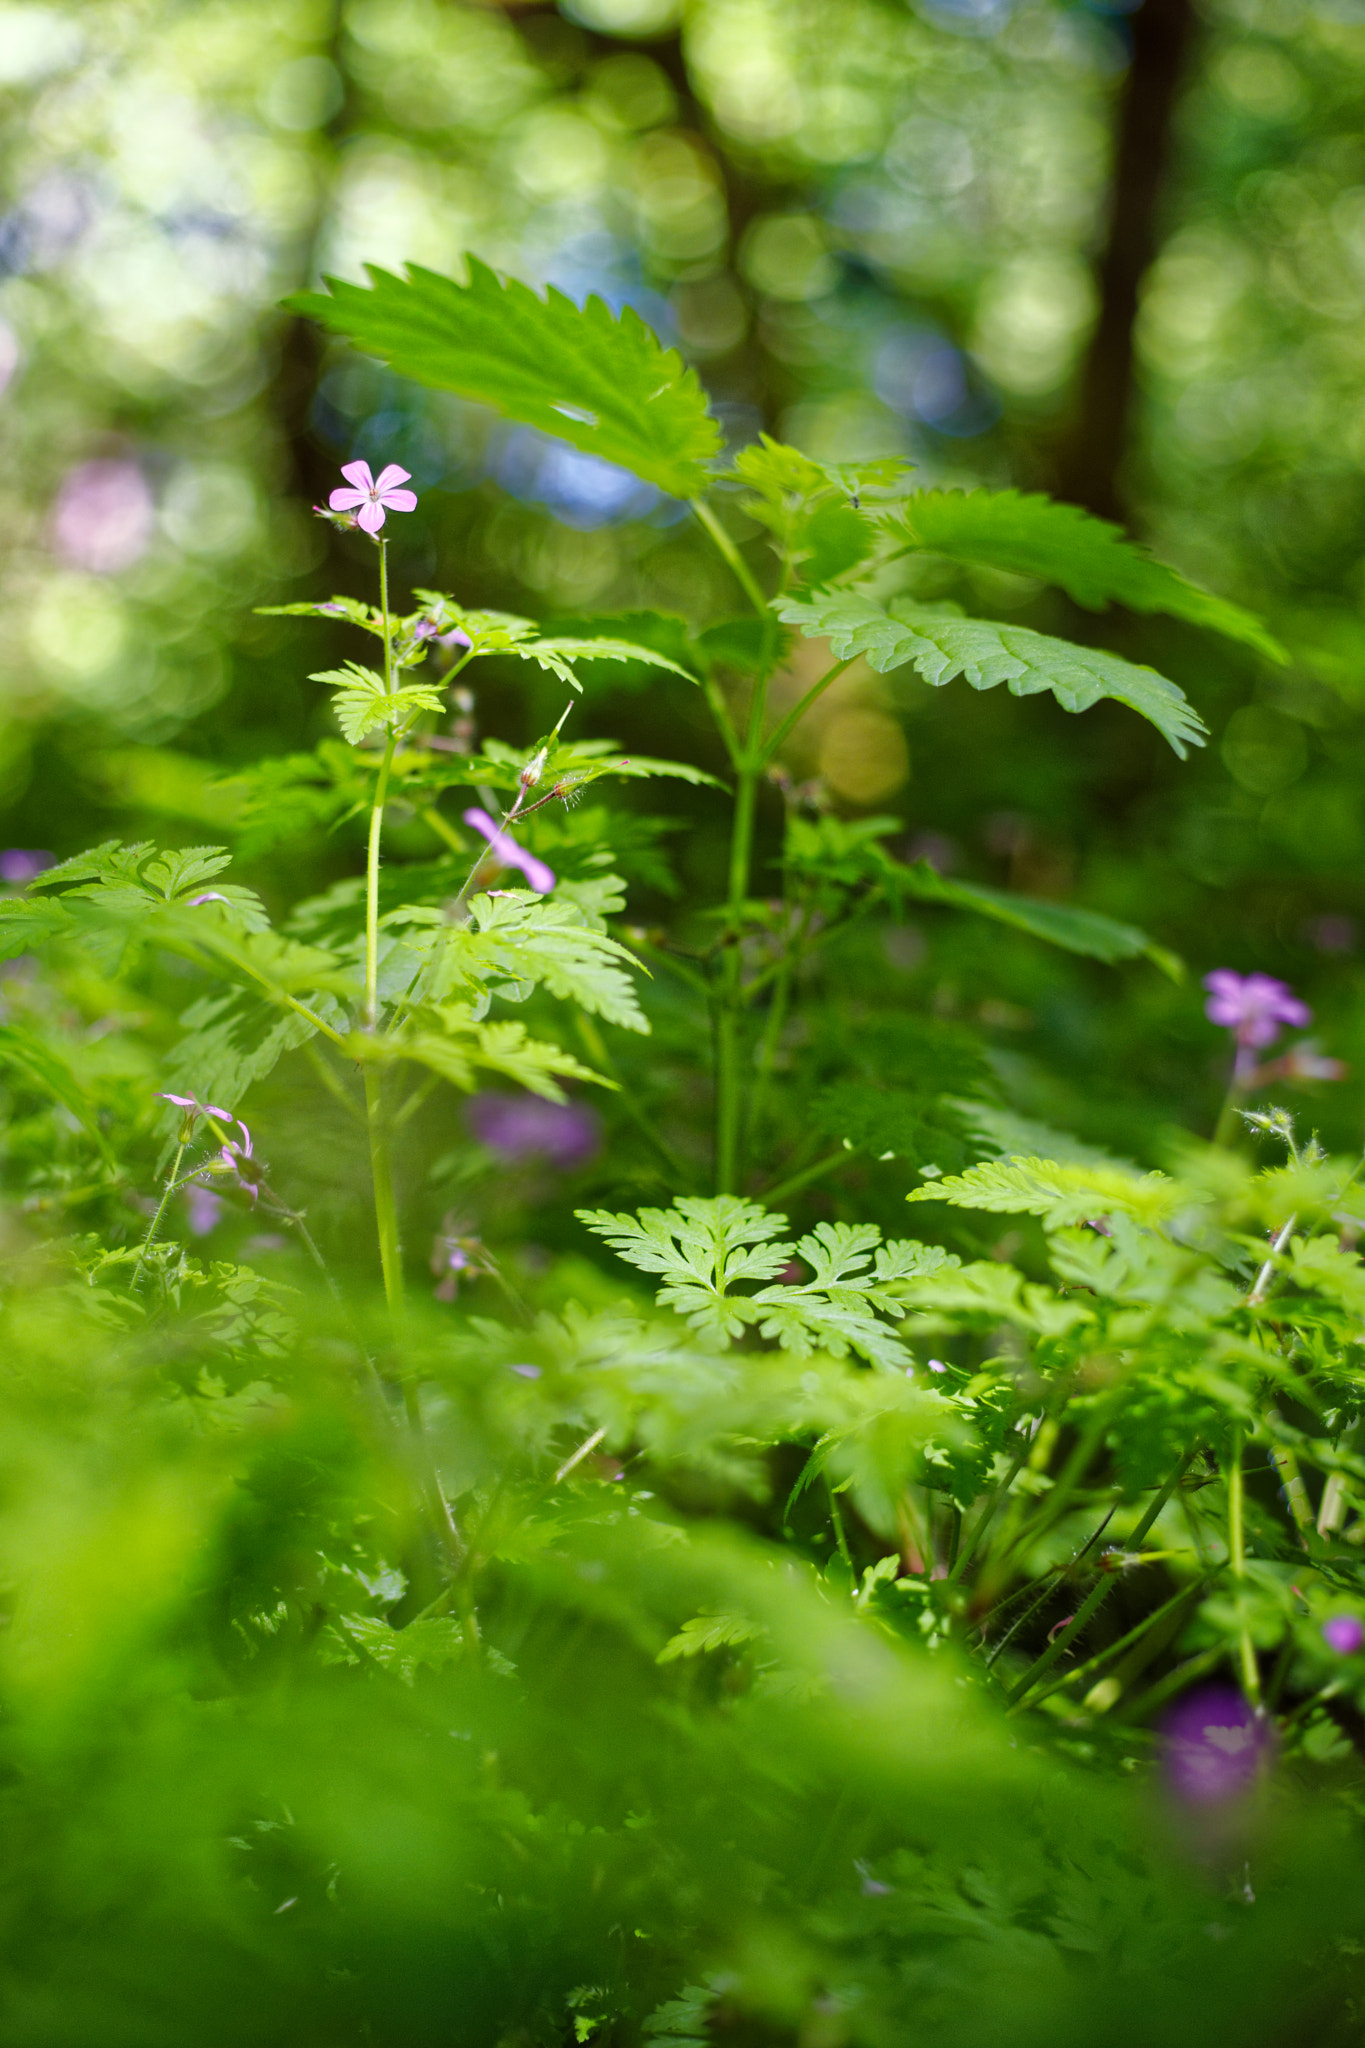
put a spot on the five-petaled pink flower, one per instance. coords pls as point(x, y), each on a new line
point(1254, 1006)
point(369, 496)
point(504, 848)
point(193, 1108)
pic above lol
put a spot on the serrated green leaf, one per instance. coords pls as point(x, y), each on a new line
point(942, 643)
point(1087, 932)
point(451, 1041)
point(44, 1067)
point(1088, 558)
point(701, 1635)
point(601, 382)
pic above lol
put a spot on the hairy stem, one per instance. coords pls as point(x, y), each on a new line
point(150, 1239)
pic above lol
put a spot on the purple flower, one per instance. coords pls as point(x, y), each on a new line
point(504, 848)
point(520, 1127)
point(102, 520)
point(205, 1209)
point(1255, 1006)
point(19, 864)
point(368, 496)
point(1344, 1633)
point(1214, 1746)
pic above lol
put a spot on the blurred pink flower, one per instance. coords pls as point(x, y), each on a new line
point(102, 520)
point(505, 848)
point(519, 1127)
point(193, 1108)
point(205, 1209)
point(1344, 1633)
point(239, 1157)
point(368, 496)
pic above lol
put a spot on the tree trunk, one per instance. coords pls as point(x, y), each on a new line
point(1090, 466)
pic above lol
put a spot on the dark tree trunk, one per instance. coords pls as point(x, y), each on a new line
point(1090, 465)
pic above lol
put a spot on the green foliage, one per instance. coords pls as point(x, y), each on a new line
point(1089, 558)
point(363, 705)
point(599, 381)
point(942, 644)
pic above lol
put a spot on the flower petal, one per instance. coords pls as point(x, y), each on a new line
point(370, 517)
point(388, 477)
point(399, 501)
point(346, 500)
point(358, 473)
point(481, 822)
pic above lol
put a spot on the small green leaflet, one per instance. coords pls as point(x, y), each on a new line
point(513, 943)
point(1088, 558)
point(707, 1632)
point(506, 633)
point(450, 1041)
point(942, 643)
point(362, 704)
point(1061, 1194)
point(601, 382)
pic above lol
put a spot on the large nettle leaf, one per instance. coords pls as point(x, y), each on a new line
point(599, 380)
point(1088, 558)
point(942, 643)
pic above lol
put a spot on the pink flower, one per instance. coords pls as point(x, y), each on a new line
point(193, 1108)
point(1215, 1745)
point(504, 847)
point(240, 1161)
point(205, 1209)
point(369, 496)
point(1254, 1006)
point(1344, 1633)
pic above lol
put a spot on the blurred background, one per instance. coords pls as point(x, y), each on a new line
point(1114, 253)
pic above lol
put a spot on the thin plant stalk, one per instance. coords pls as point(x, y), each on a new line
point(1237, 1558)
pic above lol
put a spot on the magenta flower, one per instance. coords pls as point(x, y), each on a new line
point(369, 497)
point(1214, 1746)
point(504, 847)
point(1344, 1633)
point(1254, 1006)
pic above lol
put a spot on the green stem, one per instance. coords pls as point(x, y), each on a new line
point(798, 711)
point(796, 1181)
point(743, 574)
point(150, 1239)
point(987, 1516)
point(1097, 1596)
point(385, 1207)
point(1237, 1558)
point(1186, 1596)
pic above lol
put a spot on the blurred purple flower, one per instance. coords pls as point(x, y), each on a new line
point(102, 520)
point(19, 864)
point(519, 1127)
point(1215, 1744)
point(504, 848)
point(205, 1209)
point(1344, 1633)
point(1254, 1006)
point(370, 496)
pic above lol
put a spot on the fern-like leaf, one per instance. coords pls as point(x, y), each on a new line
point(1061, 1194)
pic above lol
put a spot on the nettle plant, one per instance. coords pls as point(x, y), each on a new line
point(1158, 1411)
